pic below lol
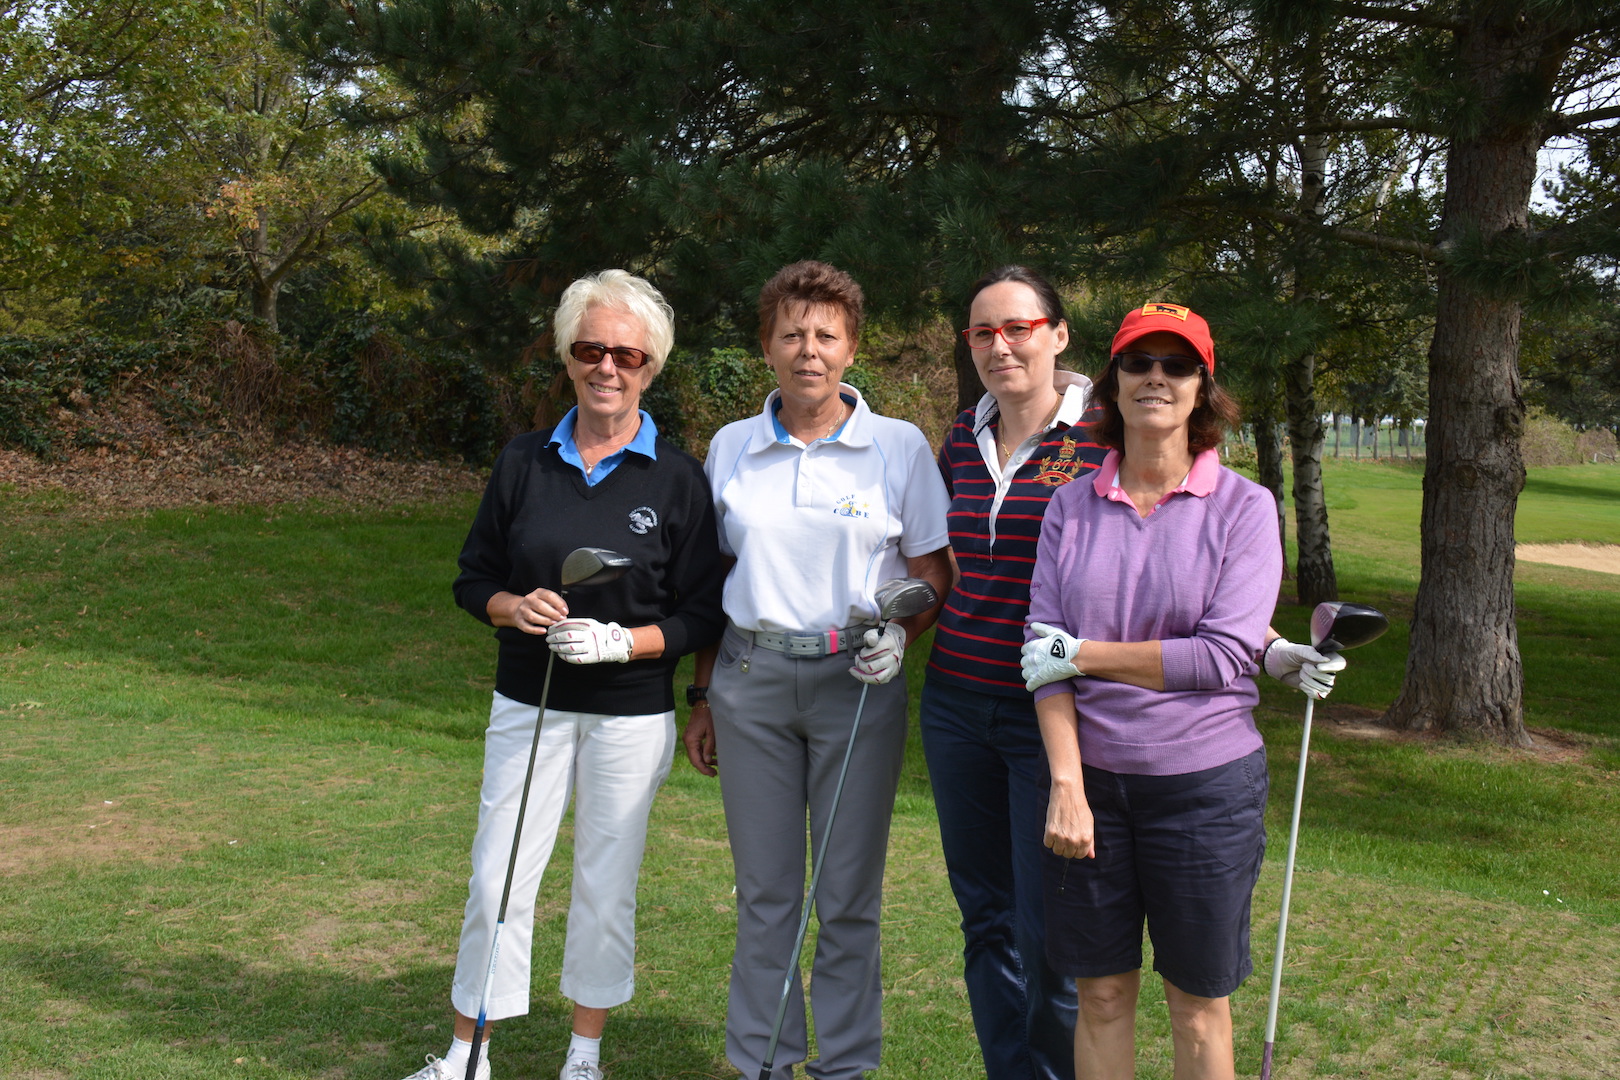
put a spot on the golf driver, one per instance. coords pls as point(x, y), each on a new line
point(583, 566)
point(1335, 627)
point(896, 599)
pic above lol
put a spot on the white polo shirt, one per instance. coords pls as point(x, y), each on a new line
point(816, 529)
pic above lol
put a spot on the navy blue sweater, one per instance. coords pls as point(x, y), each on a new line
point(537, 508)
point(981, 628)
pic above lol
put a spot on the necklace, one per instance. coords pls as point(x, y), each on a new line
point(838, 422)
point(1006, 455)
point(607, 448)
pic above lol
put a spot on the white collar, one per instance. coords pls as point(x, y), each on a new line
point(857, 430)
point(1076, 391)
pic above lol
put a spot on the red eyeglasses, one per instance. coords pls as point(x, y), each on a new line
point(1014, 333)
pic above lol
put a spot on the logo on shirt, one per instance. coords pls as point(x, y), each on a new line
point(1053, 471)
point(849, 506)
point(643, 519)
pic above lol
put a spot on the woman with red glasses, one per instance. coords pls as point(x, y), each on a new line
point(1002, 460)
point(1154, 585)
point(601, 478)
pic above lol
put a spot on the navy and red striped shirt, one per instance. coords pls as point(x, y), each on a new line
point(993, 531)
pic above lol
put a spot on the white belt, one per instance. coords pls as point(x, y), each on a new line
point(809, 642)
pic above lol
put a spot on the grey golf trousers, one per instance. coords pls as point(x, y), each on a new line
point(781, 728)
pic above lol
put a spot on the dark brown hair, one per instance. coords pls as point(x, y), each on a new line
point(1051, 305)
point(811, 283)
point(1217, 411)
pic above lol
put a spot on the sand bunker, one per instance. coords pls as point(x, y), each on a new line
point(1601, 557)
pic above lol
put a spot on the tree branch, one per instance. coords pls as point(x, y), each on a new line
point(1401, 16)
point(1358, 237)
point(1565, 124)
point(1376, 123)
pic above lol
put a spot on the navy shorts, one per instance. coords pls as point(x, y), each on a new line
point(1182, 852)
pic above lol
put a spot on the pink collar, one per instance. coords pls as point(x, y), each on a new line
point(1200, 479)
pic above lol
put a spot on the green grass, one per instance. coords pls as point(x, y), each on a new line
point(238, 777)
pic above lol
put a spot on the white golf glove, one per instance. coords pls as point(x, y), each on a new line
point(1049, 657)
point(879, 661)
point(1302, 667)
point(586, 641)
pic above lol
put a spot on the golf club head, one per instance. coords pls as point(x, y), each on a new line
point(899, 597)
point(1337, 625)
point(593, 566)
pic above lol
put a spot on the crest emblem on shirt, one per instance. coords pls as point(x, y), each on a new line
point(851, 506)
point(643, 519)
point(1053, 471)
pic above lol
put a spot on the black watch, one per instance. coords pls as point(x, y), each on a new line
point(696, 693)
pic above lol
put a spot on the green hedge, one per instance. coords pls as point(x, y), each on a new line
point(362, 385)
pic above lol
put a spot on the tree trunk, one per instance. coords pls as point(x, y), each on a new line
point(1314, 577)
point(1269, 468)
point(1463, 670)
point(264, 297)
point(968, 387)
point(1335, 434)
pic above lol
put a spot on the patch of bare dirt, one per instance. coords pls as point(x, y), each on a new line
point(156, 470)
point(104, 832)
point(1604, 558)
point(1356, 722)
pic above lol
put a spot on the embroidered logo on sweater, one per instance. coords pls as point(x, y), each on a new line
point(850, 508)
point(1053, 471)
point(643, 519)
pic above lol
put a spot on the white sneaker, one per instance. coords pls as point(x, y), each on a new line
point(440, 1069)
point(578, 1069)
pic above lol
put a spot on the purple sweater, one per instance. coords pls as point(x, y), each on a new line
point(1199, 574)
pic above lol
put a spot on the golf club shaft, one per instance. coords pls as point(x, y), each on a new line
point(511, 870)
point(1287, 893)
point(810, 897)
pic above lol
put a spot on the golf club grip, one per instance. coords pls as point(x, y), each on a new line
point(477, 1041)
point(1265, 1061)
point(769, 1065)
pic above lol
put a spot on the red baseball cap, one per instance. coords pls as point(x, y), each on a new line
point(1184, 322)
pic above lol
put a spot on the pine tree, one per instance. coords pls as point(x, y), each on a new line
point(1476, 88)
point(1204, 146)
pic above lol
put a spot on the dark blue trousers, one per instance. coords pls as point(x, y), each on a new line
point(984, 758)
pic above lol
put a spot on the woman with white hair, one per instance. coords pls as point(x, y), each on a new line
point(601, 478)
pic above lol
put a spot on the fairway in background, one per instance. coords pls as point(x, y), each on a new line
point(241, 752)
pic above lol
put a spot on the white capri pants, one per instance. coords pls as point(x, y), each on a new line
point(613, 765)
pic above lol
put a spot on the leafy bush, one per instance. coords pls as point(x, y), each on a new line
point(43, 378)
point(698, 393)
point(380, 392)
point(362, 385)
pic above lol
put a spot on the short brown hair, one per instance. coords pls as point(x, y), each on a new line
point(1217, 411)
point(811, 283)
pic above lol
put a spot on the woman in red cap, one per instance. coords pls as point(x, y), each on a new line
point(1154, 582)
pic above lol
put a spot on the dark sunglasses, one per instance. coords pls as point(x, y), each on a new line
point(1175, 366)
point(589, 352)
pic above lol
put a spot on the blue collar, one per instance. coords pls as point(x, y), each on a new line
point(782, 435)
point(562, 437)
